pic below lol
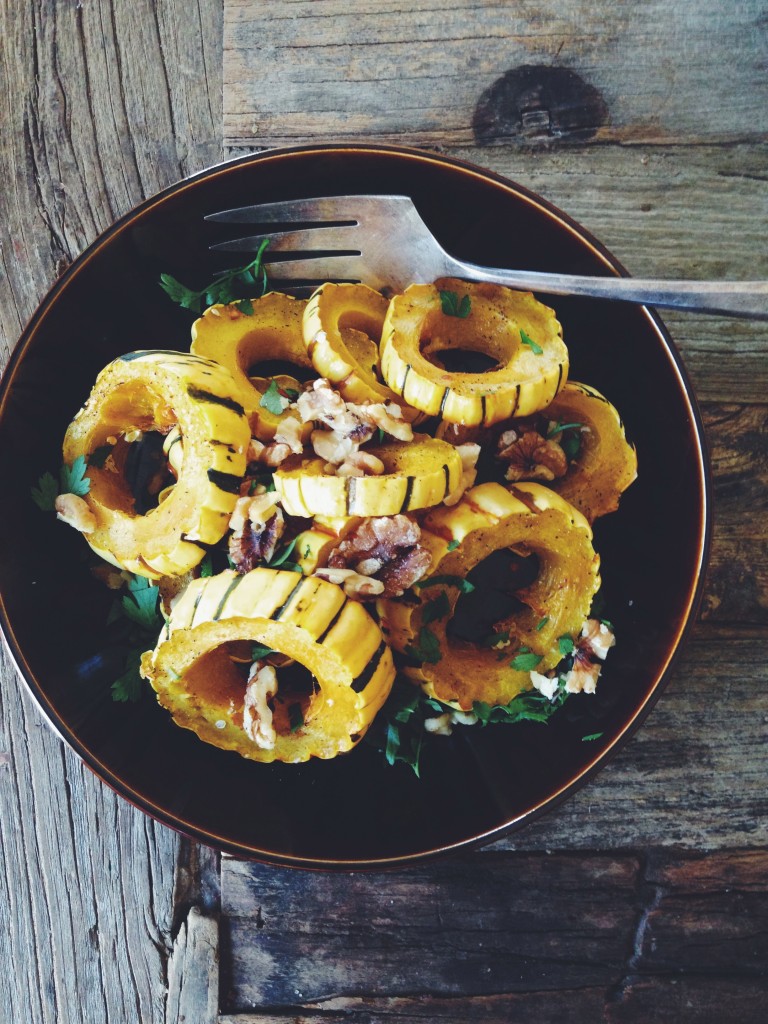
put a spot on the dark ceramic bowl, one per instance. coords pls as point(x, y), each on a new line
point(355, 810)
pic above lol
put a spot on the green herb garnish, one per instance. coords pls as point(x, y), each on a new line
point(592, 736)
point(532, 345)
point(526, 707)
point(565, 645)
point(295, 717)
point(140, 605)
point(452, 306)
point(542, 623)
point(259, 651)
point(436, 608)
point(46, 492)
point(427, 647)
point(127, 687)
point(525, 661)
point(452, 545)
point(272, 400)
point(226, 289)
point(206, 566)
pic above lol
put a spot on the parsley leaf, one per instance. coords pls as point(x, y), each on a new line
point(558, 428)
point(127, 687)
point(592, 736)
point(565, 645)
point(227, 288)
point(295, 717)
point(259, 651)
point(525, 707)
point(46, 492)
point(206, 566)
point(452, 545)
point(272, 400)
point(280, 559)
point(73, 480)
point(532, 345)
point(427, 647)
point(453, 307)
point(526, 661)
point(436, 608)
point(542, 623)
point(140, 605)
point(447, 581)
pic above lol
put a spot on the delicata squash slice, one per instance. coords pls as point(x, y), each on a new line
point(240, 341)
point(521, 334)
point(530, 520)
point(199, 666)
point(161, 391)
point(341, 322)
point(606, 463)
point(417, 474)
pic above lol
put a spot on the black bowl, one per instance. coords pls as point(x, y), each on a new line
point(356, 810)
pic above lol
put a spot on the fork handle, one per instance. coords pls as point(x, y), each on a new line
point(747, 299)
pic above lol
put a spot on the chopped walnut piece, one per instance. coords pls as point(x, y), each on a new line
point(257, 524)
point(257, 714)
point(597, 637)
point(289, 432)
point(361, 464)
point(388, 548)
point(72, 510)
point(267, 454)
point(350, 425)
point(353, 583)
point(469, 453)
point(531, 456)
point(583, 677)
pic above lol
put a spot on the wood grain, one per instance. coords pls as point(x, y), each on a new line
point(416, 72)
point(500, 937)
point(111, 917)
point(103, 104)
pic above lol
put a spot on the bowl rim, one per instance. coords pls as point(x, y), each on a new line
point(689, 608)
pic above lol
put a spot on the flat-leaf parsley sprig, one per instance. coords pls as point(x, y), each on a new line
point(139, 613)
point(227, 288)
point(72, 480)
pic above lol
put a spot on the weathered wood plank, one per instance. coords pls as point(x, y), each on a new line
point(575, 937)
point(422, 71)
point(103, 104)
point(671, 212)
point(193, 972)
point(690, 778)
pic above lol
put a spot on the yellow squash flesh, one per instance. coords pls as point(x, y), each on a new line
point(606, 463)
point(308, 620)
point(159, 390)
point(531, 519)
point(240, 341)
point(526, 380)
point(417, 474)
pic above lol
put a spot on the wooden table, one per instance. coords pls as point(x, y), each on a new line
point(645, 897)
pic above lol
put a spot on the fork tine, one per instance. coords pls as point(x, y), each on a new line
point(318, 239)
point(321, 268)
point(326, 208)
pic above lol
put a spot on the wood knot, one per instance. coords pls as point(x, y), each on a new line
point(538, 104)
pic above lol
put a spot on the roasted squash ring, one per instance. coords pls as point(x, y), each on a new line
point(156, 390)
point(314, 545)
point(527, 378)
point(240, 341)
point(530, 519)
point(337, 352)
point(417, 474)
point(305, 618)
point(606, 463)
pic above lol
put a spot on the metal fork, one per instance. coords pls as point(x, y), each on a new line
point(382, 241)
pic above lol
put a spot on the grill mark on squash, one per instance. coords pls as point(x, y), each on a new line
point(369, 671)
point(407, 496)
point(279, 611)
point(201, 395)
point(235, 583)
point(334, 619)
point(444, 399)
point(405, 378)
point(228, 482)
